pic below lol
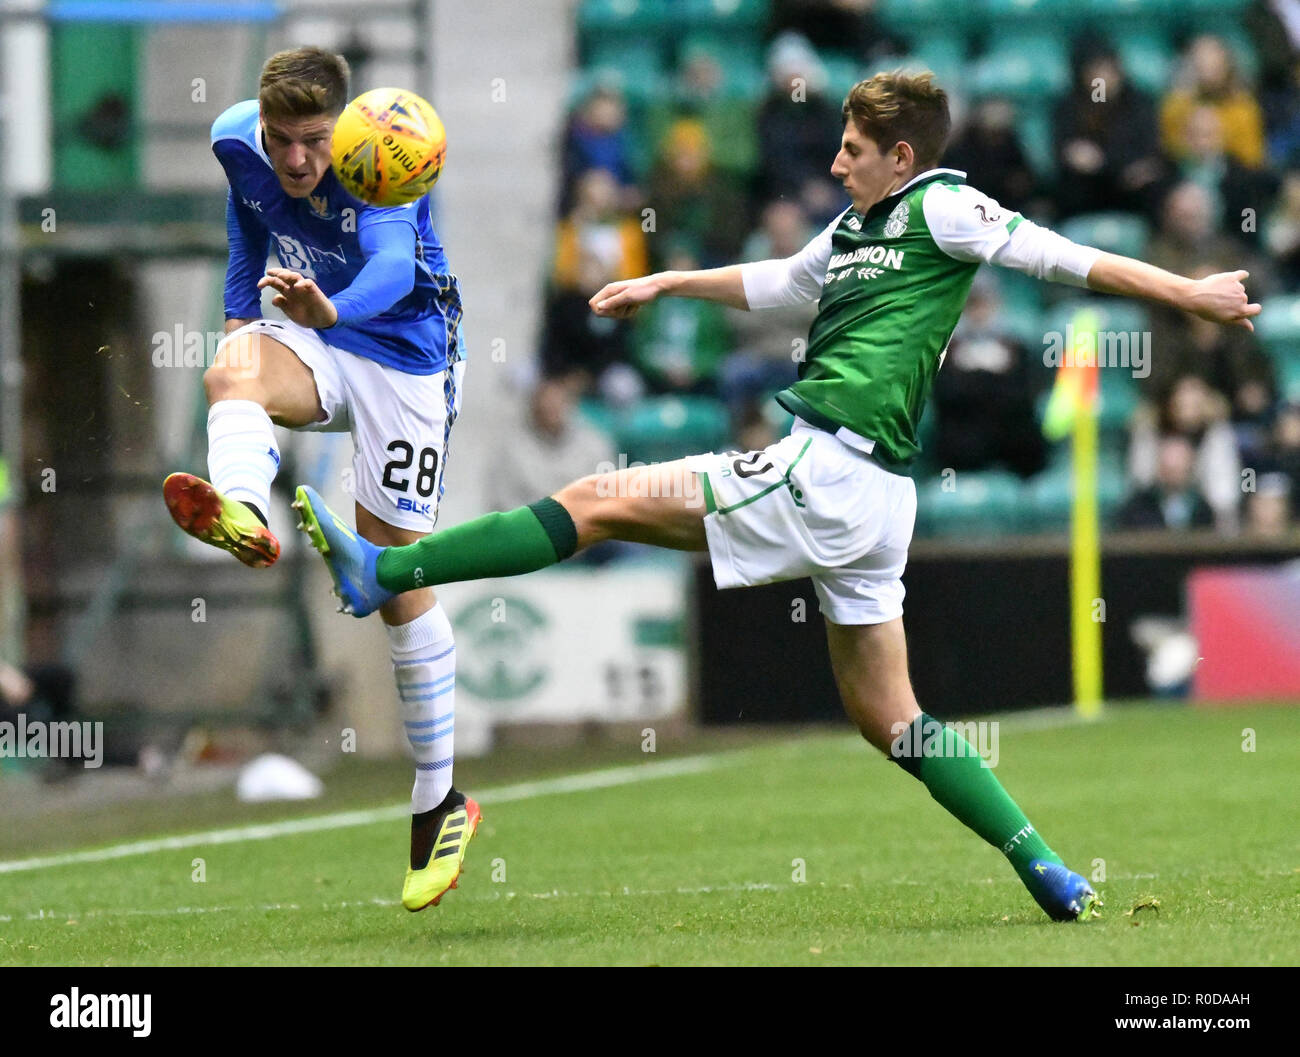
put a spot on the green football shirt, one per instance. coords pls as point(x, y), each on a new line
point(893, 284)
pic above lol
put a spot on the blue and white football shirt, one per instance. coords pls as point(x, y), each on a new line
point(383, 269)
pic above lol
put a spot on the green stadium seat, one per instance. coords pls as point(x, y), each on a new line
point(598, 414)
point(1050, 495)
point(1278, 327)
point(1230, 9)
point(970, 503)
point(1148, 57)
point(915, 17)
point(729, 14)
point(636, 66)
point(1130, 14)
point(843, 71)
point(1034, 127)
point(730, 124)
point(1030, 67)
point(1020, 14)
point(744, 73)
point(1112, 484)
point(623, 18)
point(663, 428)
point(1022, 295)
point(1123, 233)
point(942, 53)
point(1118, 399)
point(1113, 313)
point(1280, 320)
point(1025, 324)
point(1288, 377)
point(1124, 346)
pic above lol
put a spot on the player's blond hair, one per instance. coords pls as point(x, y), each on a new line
point(898, 107)
point(303, 82)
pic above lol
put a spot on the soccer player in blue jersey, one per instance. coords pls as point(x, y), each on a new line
point(372, 344)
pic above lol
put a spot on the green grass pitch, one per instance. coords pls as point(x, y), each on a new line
point(797, 849)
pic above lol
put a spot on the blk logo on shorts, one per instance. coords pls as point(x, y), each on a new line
point(423, 509)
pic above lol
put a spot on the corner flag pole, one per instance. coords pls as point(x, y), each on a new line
point(1073, 409)
point(1085, 566)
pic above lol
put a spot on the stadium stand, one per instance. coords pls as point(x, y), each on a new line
point(714, 62)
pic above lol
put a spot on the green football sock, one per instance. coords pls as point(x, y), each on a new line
point(953, 772)
point(519, 541)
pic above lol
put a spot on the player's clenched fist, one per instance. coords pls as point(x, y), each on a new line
point(299, 298)
point(621, 299)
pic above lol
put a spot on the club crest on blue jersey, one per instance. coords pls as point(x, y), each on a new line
point(320, 205)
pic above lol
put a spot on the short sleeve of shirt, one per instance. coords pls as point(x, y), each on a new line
point(965, 223)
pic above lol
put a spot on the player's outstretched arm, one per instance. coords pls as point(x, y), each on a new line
point(1220, 298)
point(759, 284)
point(621, 299)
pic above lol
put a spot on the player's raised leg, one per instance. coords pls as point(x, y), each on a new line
point(870, 665)
point(443, 820)
point(661, 505)
point(254, 381)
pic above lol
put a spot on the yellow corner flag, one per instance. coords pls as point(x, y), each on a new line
point(1072, 410)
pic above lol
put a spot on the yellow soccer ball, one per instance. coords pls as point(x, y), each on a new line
point(388, 147)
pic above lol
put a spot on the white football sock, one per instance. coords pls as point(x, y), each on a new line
point(424, 665)
point(242, 456)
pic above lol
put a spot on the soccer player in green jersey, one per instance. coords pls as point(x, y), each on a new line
point(833, 499)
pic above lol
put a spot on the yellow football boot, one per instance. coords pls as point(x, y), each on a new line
point(207, 515)
point(426, 886)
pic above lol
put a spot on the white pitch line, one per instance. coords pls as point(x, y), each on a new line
point(496, 895)
point(575, 783)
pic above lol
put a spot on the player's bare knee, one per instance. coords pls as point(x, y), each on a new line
point(586, 501)
point(222, 381)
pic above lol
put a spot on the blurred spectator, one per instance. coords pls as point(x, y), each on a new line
point(549, 446)
point(575, 339)
point(42, 692)
point(693, 200)
point(1188, 239)
point(700, 91)
point(984, 394)
point(1228, 359)
point(1106, 150)
point(799, 130)
point(987, 148)
point(1274, 30)
point(1210, 78)
point(598, 226)
point(849, 26)
point(1240, 197)
point(1282, 231)
point(1194, 412)
point(1268, 508)
point(596, 243)
point(1283, 455)
point(766, 343)
point(681, 341)
point(597, 138)
point(1173, 500)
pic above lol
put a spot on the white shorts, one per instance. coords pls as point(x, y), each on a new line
point(400, 423)
point(810, 505)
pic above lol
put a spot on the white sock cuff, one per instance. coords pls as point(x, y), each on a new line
point(424, 631)
point(253, 413)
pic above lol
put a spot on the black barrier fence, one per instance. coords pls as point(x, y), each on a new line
point(988, 626)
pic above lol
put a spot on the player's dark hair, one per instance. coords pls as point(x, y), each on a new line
point(303, 82)
point(898, 107)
